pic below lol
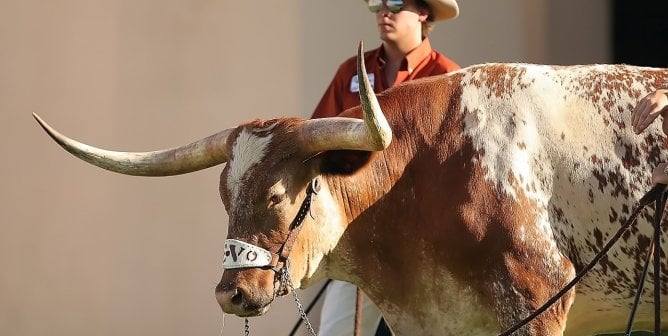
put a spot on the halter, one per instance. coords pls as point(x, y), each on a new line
point(239, 254)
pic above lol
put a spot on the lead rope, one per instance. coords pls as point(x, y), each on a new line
point(657, 260)
point(639, 289)
point(653, 250)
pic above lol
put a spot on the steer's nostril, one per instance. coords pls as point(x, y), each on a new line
point(238, 298)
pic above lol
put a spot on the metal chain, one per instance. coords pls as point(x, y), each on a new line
point(285, 278)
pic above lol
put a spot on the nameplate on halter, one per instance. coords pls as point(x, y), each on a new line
point(240, 254)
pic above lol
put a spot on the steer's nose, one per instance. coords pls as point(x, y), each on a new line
point(238, 300)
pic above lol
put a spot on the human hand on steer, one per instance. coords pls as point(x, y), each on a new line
point(659, 175)
point(648, 108)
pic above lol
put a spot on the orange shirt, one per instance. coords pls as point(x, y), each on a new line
point(343, 94)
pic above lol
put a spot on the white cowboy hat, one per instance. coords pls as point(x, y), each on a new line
point(442, 9)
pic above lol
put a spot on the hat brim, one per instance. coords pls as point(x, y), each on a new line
point(443, 9)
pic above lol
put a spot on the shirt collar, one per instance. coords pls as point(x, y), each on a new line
point(413, 58)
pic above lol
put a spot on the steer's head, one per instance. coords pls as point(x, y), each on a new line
point(267, 187)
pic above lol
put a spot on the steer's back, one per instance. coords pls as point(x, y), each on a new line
point(561, 136)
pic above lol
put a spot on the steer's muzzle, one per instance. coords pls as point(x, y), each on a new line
point(247, 292)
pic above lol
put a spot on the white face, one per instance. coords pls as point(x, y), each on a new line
point(248, 151)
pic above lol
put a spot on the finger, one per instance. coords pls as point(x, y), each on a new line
point(646, 120)
point(638, 114)
point(640, 127)
point(649, 115)
point(641, 116)
point(659, 175)
point(635, 112)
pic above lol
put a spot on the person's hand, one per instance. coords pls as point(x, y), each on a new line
point(659, 174)
point(648, 108)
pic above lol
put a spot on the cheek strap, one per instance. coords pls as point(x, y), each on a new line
point(239, 254)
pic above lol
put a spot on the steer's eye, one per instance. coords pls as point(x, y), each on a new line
point(276, 199)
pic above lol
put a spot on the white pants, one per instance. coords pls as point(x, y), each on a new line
point(337, 317)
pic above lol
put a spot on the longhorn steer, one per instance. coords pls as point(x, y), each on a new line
point(500, 182)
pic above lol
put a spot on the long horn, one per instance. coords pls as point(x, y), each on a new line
point(198, 155)
point(371, 134)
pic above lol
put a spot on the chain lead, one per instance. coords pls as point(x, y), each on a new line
point(285, 278)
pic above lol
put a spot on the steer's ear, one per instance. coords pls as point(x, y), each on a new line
point(343, 162)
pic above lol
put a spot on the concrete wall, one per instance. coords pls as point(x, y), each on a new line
point(88, 252)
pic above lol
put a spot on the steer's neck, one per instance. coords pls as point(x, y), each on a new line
point(402, 247)
point(385, 216)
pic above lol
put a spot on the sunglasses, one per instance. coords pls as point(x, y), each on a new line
point(395, 6)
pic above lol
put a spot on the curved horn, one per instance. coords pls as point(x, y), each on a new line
point(371, 134)
point(198, 155)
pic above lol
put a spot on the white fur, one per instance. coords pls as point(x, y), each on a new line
point(248, 150)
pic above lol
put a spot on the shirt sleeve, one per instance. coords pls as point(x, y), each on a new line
point(330, 104)
point(445, 65)
point(451, 65)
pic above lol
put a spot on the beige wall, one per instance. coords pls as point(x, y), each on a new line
point(88, 252)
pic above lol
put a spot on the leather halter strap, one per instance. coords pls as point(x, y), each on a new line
point(239, 254)
point(296, 225)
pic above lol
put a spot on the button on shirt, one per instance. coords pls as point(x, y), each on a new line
point(342, 92)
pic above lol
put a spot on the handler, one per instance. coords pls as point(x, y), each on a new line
point(405, 54)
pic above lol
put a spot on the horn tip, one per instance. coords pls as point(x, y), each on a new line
point(41, 122)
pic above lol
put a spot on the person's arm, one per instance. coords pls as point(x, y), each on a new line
point(648, 109)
